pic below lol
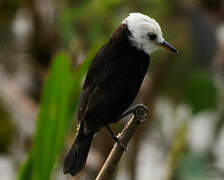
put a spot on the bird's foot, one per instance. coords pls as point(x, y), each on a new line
point(116, 139)
point(139, 111)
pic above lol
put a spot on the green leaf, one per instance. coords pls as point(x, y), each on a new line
point(53, 118)
point(200, 92)
point(193, 167)
point(52, 121)
point(25, 171)
point(59, 102)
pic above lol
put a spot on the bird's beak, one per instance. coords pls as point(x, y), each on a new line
point(167, 45)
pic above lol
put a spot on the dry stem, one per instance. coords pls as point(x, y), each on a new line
point(114, 157)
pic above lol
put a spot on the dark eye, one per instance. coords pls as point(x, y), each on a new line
point(152, 36)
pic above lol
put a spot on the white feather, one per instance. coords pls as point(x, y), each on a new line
point(140, 25)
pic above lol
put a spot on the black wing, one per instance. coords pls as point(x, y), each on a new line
point(111, 84)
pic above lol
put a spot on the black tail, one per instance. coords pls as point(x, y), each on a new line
point(76, 158)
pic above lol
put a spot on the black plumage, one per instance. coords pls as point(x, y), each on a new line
point(111, 85)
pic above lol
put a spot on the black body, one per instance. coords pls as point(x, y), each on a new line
point(111, 85)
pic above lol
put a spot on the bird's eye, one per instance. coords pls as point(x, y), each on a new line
point(152, 36)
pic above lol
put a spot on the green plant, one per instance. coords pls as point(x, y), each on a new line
point(59, 102)
point(52, 122)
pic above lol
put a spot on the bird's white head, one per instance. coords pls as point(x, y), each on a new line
point(146, 33)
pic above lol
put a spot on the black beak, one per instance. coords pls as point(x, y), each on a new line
point(167, 45)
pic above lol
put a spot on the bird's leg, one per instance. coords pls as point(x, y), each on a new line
point(116, 138)
point(133, 110)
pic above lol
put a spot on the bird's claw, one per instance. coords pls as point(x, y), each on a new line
point(140, 112)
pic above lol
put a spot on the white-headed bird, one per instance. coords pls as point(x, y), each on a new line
point(113, 81)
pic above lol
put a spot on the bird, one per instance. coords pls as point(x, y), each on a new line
point(113, 81)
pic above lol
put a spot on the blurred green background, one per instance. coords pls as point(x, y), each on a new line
point(46, 47)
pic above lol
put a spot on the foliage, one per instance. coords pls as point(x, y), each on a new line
point(59, 102)
point(52, 122)
point(193, 167)
point(200, 92)
point(177, 149)
point(7, 130)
